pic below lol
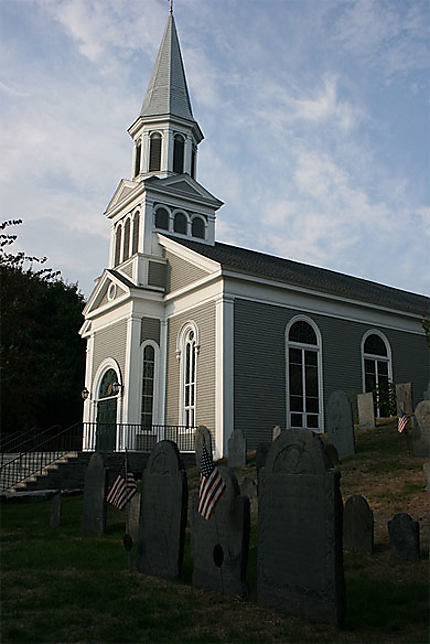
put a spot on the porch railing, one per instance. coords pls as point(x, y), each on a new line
point(117, 437)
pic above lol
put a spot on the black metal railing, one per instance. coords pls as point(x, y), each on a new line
point(113, 437)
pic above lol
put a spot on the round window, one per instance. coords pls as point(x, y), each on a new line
point(111, 292)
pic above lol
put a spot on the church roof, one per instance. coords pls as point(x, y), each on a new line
point(167, 91)
point(312, 277)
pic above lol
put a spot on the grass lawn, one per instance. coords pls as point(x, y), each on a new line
point(60, 587)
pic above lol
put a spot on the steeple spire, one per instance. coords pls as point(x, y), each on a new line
point(167, 91)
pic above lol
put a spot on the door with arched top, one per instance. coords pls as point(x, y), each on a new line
point(107, 402)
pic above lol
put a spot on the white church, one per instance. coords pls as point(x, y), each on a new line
point(184, 331)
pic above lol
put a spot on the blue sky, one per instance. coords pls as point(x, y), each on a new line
point(315, 115)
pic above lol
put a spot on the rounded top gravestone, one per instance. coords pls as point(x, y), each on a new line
point(340, 425)
point(164, 459)
point(202, 439)
point(297, 451)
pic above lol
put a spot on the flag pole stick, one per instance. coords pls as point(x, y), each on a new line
point(127, 516)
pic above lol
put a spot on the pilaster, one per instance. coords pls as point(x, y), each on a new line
point(224, 374)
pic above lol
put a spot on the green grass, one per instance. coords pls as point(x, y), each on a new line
point(58, 586)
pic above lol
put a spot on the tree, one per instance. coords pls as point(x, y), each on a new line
point(42, 355)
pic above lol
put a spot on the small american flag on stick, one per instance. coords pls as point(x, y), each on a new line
point(403, 421)
point(123, 488)
point(212, 485)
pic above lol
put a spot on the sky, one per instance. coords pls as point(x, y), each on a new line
point(315, 115)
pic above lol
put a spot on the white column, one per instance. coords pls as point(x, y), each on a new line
point(87, 415)
point(163, 371)
point(166, 151)
point(145, 152)
point(132, 376)
point(133, 159)
point(187, 154)
point(224, 374)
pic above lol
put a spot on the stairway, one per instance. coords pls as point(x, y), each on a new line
point(65, 471)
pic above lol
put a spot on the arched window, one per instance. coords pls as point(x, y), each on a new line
point(198, 228)
point(304, 397)
point(180, 223)
point(162, 219)
point(187, 350)
point(126, 252)
point(118, 239)
point(155, 152)
point(178, 153)
point(193, 162)
point(138, 154)
point(148, 377)
point(377, 369)
point(135, 243)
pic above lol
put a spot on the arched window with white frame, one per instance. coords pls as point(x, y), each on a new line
point(150, 369)
point(187, 352)
point(304, 375)
point(118, 244)
point(126, 242)
point(377, 368)
point(135, 239)
point(162, 218)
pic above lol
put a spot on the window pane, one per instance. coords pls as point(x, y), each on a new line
point(369, 366)
point(301, 331)
point(198, 228)
point(106, 385)
point(296, 356)
point(311, 421)
point(180, 224)
point(374, 344)
point(311, 381)
point(162, 219)
point(296, 403)
point(296, 420)
point(311, 358)
point(382, 368)
point(312, 404)
point(370, 382)
point(296, 383)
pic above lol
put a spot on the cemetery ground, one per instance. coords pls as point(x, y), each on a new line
point(58, 586)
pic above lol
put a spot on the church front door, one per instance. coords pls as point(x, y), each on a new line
point(107, 413)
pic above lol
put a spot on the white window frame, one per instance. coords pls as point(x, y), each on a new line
point(318, 349)
point(155, 394)
point(180, 355)
point(376, 358)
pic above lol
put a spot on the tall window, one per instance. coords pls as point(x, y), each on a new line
point(198, 228)
point(135, 243)
point(155, 152)
point(118, 239)
point(148, 385)
point(162, 219)
point(180, 223)
point(178, 153)
point(193, 162)
point(126, 253)
point(137, 158)
point(187, 348)
point(377, 369)
point(303, 376)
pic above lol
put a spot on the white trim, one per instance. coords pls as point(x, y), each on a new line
point(108, 363)
point(164, 348)
point(370, 356)
point(318, 348)
point(156, 419)
point(180, 340)
point(224, 374)
point(189, 255)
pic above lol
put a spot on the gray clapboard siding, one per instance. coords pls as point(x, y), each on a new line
point(182, 272)
point(150, 330)
point(111, 343)
point(204, 318)
point(157, 274)
point(260, 367)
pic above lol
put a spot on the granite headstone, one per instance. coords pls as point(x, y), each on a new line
point(404, 398)
point(55, 515)
point(163, 513)
point(300, 557)
point(404, 537)
point(366, 411)
point(220, 545)
point(237, 449)
point(358, 525)
point(340, 424)
point(94, 502)
point(421, 431)
point(202, 439)
point(249, 488)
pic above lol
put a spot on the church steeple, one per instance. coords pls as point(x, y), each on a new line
point(165, 134)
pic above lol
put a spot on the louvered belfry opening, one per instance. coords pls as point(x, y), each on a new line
point(155, 153)
point(178, 154)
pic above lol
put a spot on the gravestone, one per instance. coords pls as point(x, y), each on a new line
point(421, 431)
point(249, 488)
point(220, 546)
point(163, 513)
point(237, 449)
point(366, 411)
point(358, 525)
point(426, 392)
point(94, 502)
point(275, 432)
point(426, 468)
point(132, 510)
point(202, 439)
point(404, 398)
point(300, 558)
point(404, 537)
point(332, 454)
point(340, 425)
point(261, 455)
point(55, 515)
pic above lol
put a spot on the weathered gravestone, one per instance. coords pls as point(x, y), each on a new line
point(132, 510)
point(340, 425)
point(405, 537)
point(366, 411)
point(275, 432)
point(237, 449)
point(220, 545)
point(332, 454)
point(94, 502)
point(358, 525)
point(163, 513)
point(202, 439)
point(300, 558)
point(55, 515)
point(426, 392)
point(249, 488)
point(426, 469)
point(421, 431)
point(404, 398)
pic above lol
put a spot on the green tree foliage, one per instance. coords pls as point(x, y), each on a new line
point(42, 355)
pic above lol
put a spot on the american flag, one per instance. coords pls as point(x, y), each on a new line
point(212, 485)
point(123, 488)
point(403, 421)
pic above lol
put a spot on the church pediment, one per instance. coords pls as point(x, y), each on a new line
point(124, 189)
point(185, 184)
point(108, 291)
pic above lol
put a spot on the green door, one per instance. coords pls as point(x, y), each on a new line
point(106, 413)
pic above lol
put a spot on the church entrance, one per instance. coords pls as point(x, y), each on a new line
point(107, 413)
